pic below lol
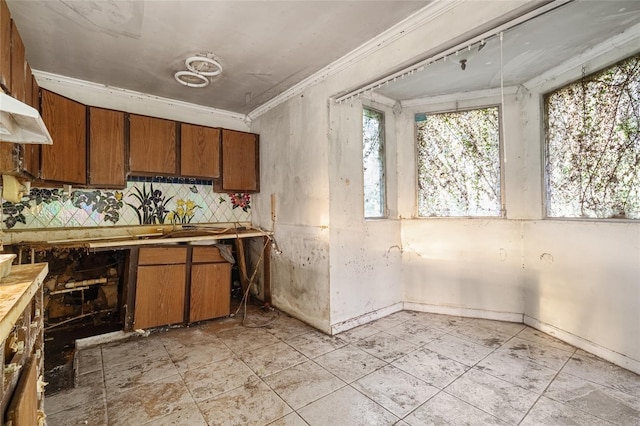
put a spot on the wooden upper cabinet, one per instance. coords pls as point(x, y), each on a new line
point(106, 148)
point(65, 160)
point(28, 85)
point(240, 162)
point(18, 65)
point(152, 145)
point(5, 46)
point(199, 151)
point(31, 152)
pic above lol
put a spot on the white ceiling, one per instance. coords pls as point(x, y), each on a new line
point(528, 50)
point(265, 47)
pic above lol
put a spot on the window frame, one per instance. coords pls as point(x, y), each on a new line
point(385, 208)
point(544, 91)
point(501, 156)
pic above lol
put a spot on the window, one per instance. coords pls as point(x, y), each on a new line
point(373, 163)
point(593, 145)
point(459, 163)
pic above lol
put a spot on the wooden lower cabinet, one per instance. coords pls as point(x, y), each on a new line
point(174, 287)
point(210, 291)
point(159, 295)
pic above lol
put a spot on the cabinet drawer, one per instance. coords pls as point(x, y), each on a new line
point(162, 256)
point(207, 254)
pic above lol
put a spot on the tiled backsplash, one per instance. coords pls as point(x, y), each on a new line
point(158, 202)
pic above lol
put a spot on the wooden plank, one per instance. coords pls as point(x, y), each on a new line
point(23, 409)
point(242, 265)
point(266, 271)
point(210, 291)
point(162, 255)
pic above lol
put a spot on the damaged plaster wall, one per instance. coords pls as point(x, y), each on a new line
point(311, 159)
point(575, 279)
point(365, 254)
point(293, 159)
point(581, 278)
point(466, 265)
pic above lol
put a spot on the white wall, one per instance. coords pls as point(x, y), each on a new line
point(470, 266)
point(578, 280)
point(365, 254)
point(335, 267)
point(294, 168)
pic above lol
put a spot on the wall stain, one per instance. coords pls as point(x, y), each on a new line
point(546, 257)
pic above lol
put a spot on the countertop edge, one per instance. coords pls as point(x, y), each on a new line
point(31, 285)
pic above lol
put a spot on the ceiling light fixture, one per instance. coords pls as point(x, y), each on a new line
point(201, 68)
point(191, 79)
point(203, 65)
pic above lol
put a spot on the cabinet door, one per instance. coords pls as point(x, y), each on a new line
point(31, 152)
point(152, 145)
point(106, 148)
point(18, 86)
point(240, 162)
point(199, 151)
point(159, 295)
point(210, 291)
point(5, 46)
point(65, 160)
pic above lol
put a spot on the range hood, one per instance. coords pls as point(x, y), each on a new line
point(20, 123)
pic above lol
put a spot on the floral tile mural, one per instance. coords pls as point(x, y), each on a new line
point(160, 201)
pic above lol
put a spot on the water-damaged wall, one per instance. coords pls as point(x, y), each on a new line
point(336, 267)
point(294, 174)
point(575, 279)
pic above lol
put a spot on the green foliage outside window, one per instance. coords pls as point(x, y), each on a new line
point(593, 145)
point(459, 163)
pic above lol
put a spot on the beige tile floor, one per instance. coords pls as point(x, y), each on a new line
point(408, 369)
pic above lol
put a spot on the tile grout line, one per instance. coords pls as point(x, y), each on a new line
point(545, 390)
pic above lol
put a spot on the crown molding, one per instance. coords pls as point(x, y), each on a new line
point(46, 80)
point(401, 29)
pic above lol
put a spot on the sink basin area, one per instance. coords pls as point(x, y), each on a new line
point(5, 264)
